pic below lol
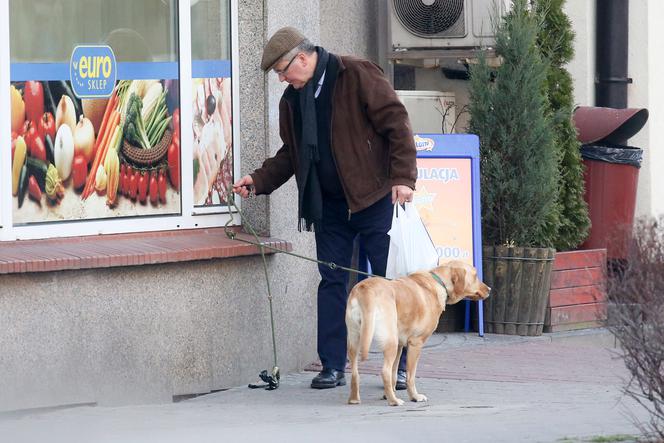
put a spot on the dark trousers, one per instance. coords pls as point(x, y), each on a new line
point(334, 243)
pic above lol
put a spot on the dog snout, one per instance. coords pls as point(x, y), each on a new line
point(484, 291)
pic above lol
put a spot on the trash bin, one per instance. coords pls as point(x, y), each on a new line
point(611, 177)
point(611, 174)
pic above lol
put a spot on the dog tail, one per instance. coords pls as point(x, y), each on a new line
point(367, 327)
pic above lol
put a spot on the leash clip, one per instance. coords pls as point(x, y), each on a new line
point(271, 380)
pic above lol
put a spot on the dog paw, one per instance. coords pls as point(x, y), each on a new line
point(397, 402)
point(353, 401)
point(419, 398)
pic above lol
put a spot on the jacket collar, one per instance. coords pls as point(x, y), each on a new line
point(342, 67)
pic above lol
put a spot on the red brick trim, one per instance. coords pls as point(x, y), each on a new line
point(126, 250)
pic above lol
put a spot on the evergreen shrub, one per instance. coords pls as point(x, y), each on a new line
point(509, 111)
point(555, 40)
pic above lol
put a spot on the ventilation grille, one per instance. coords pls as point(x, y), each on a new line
point(427, 18)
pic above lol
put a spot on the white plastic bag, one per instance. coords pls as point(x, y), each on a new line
point(411, 247)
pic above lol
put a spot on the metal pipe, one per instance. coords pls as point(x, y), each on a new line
point(611, 61)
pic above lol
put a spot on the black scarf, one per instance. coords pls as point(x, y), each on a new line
point(310, 204)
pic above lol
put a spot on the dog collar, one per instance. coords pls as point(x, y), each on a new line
point(439, 280)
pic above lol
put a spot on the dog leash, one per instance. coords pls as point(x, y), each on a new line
point(233, 236)
point(272, 378)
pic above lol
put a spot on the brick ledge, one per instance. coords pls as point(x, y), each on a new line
point(106, 251)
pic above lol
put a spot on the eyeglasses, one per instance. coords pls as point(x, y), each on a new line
point(283, 71)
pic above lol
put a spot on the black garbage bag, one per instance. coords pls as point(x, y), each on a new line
point(620, 154)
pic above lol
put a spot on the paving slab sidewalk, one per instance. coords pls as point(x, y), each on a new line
point(554, 388)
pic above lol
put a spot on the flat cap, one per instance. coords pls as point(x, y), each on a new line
point(279, 44)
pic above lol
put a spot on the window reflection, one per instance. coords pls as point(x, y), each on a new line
point(47, 30)
point(210, 30)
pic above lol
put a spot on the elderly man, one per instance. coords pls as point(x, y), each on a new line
point(348, 141)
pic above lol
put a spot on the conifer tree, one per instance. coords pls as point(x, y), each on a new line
point(555, 40)
point(519, 161)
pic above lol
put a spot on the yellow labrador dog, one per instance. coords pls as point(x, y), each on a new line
point(403, 312)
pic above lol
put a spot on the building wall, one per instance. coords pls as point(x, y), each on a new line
point(582, 66)
point(144, 334)
point(350, 27)
point(655, 147)
point(639, 96)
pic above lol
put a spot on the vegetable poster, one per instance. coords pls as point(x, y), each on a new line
point(212, 130)
point(94, 139)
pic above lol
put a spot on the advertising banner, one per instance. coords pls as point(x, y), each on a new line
point(442, 201)
point(447, 195)
point(212, 127)
point(94, 138)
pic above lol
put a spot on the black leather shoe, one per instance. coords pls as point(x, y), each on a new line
point(328, 378)
point(401, 380)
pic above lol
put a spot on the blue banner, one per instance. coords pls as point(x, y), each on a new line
point(125, 70)
point(19, 72)
point(148, 70)
point(211, 69)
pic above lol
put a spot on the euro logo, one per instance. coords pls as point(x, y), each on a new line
point(93, 71)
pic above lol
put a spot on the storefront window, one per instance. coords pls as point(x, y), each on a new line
point(94, 109)
point(96, 91)
point(212, 107)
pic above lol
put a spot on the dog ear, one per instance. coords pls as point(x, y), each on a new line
point(458, 280)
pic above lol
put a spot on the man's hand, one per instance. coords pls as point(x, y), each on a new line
point(402, 194)
point(243, 186)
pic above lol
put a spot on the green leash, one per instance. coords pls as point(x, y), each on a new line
point(272, 379)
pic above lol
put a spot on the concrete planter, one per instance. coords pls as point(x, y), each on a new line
point(577, 299)
point(519, 280)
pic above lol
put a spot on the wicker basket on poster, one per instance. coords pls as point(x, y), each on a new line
point(147, 157)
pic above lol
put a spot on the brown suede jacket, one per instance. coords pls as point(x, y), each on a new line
point(371, 137)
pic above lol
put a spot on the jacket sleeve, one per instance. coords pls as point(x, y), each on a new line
point(390, 119)
point(276, 170)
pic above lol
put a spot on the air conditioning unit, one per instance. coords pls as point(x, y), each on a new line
point(428, 24)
